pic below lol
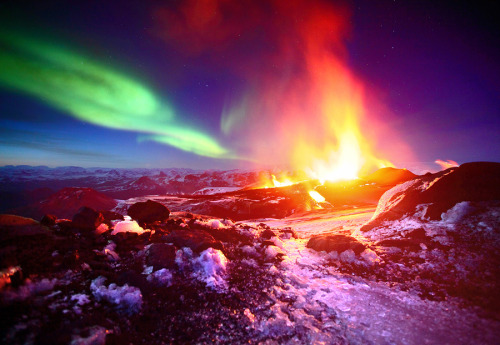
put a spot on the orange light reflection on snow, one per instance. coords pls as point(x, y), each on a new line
point(446, 164)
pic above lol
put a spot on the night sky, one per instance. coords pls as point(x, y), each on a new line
point(236, 84)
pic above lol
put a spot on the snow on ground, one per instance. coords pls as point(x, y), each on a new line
point(373, 312)
point(215, 190)
point(363, 310)
point(321, 221)
point(127, 226)
point(127, 299)
point(266, 286)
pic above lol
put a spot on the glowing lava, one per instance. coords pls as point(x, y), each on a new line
point(309, 110)
point(316, 196)
point(283, 183)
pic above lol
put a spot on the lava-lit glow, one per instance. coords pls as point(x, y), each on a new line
point(316, 196)
point(446, 164)
point(283, 183)
point(307, 110)
point(271, 181)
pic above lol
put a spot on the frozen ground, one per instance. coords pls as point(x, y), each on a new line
point(324, 221)
point(261, 285)
point(364, 311)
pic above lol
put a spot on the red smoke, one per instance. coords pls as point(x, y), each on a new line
point(300, 97)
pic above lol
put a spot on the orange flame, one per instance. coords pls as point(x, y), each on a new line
point(446, 164)
point(284, 183)
point(300, 106)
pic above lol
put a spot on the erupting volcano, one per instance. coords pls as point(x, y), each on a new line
point(300, 106)
point(261, 172)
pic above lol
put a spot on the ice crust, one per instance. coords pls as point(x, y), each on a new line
point(210, 267)
point(127, 299)
point(331, 307)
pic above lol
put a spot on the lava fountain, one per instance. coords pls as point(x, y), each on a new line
point(299, 104)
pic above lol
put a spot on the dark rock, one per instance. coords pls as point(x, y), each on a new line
point(338, 243)
point(161, 255)
point(268, 243)
point(267, 234)
point(479, 181)
point(197, 240)
point(25, 243)
point(148, 212)
point(110, 216)
point(14, 228)
point(193, 224)
point(402, 243)
point(417, 234)
point(87, 217)
point(131, 278)
point(291, 232)
point(48, 220)
point(229, 236)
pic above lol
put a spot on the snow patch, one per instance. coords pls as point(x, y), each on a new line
point(370, 256)
point(163, 277)
point(272, 252)
point(29, 289)
point(97, 336)
point(250, 251)
point(215, 224)
point(457, 212)
point(110, 251)
point(210, 267)
point(128, 299)
point(347, 256)
point(127, 226)
point(227, 222)
point(80, 298)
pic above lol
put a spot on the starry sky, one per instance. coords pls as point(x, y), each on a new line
point(219, 84)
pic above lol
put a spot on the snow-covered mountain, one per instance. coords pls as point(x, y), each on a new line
point(19, 184)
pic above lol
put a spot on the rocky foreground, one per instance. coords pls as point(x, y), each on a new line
point(424, 269)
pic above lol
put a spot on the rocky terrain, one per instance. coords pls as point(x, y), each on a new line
point(423, 267)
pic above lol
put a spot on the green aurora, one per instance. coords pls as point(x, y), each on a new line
point(92, 92)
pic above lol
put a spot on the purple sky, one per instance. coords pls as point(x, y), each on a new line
point(431, 68)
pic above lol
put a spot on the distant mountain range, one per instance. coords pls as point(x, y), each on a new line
point(23, 185)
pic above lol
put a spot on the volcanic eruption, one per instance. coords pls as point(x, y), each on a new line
point(301, 106)
point(241, 175)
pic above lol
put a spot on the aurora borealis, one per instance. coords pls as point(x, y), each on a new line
point(222, 84)
point(94, 93)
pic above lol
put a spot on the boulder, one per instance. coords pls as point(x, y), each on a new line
point(338, 243)
point(479, 181)
point(197, 240)
point(48, 220)
point(26, 243)
point(148, 212)
point(87, 217)
point(110, 216)
point(267, 234)
point(161, 255)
